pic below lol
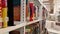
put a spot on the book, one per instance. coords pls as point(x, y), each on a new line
point(16, 13)
point(16, 9)
point(31, 5)
point(4, 10)
point(43, 13)
point(10, 12)
point(1, 22)
point(27, 11)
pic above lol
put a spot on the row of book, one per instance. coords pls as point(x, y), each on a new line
point(33, 28)
point(12, 10)
point(31, 11)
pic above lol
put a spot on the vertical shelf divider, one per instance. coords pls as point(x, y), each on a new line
point(40, 17)
point(23, 15)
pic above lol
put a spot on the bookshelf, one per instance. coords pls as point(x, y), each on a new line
point(23, 21)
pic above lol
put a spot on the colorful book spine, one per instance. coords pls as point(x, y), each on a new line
point(1, 14)
point(31, 5)
point(4, 9)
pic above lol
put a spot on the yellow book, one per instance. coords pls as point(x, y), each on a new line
point(5, 24)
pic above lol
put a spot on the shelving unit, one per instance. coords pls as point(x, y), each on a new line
point(23, 21)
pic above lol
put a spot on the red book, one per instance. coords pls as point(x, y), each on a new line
point(31, 4)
